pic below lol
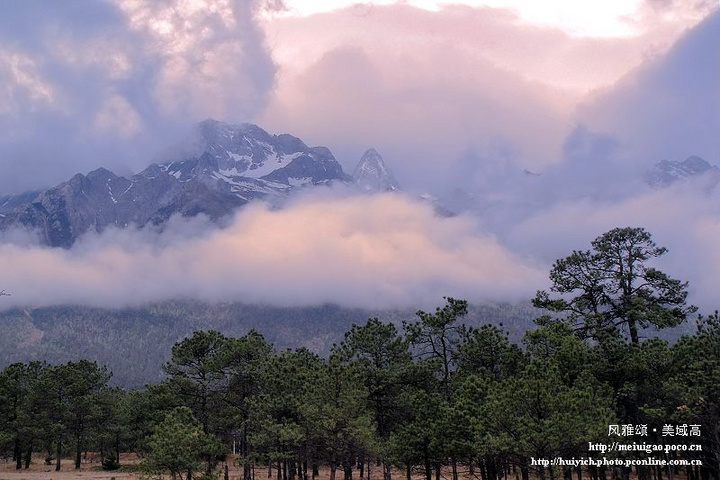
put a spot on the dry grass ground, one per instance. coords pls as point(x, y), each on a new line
point(39, 471)
point(93, 471)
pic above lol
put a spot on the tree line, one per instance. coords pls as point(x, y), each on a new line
point(432, 396)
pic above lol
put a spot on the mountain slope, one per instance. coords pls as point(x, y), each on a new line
point(693, 168)
point(234, 165)
point(135, 342)
point(372, 175)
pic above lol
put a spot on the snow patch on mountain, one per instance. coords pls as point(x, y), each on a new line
point(372, 175)
point(693, 168)
point(229, 166)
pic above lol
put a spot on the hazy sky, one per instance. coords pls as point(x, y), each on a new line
point(452, 93)
point(430, 83)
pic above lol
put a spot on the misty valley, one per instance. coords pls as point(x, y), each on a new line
point(167, 361)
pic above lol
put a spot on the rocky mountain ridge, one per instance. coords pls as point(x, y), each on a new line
point(372, 175)
point(668, 172)
point(233, 165)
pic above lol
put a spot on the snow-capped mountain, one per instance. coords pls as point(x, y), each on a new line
point(233, 154)
point(233, 165)
point(372, 175)
point(667, 172)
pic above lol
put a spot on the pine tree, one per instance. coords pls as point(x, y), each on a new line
point(615, 288)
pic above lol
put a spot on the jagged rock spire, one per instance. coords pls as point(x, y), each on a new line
point(372, 175)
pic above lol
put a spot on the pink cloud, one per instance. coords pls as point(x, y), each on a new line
point(378, 251)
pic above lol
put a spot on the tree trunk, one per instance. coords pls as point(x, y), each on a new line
point(332, 471)
point(492, 468)
point(247, 473)
point(408, 472)
point(633, 332)
point(348, 469)
point(454, 469)
point(209, 464)
point(524, 471)
point(244, 450)
point(426, 458)
point(17, 455)
point(387, 475)
point(578, 470)
point(28, 454)
point(58, 454)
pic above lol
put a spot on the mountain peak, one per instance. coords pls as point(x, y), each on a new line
point(213, 131)
point(235, 164)
point(372, 175)
point(235, 154)
point(371, 152)
point(667, 172)
point(101, 174)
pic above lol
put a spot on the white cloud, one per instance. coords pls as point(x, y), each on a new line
point(378, 251)
point(446, 93)
point(669, 108)
point(21, 83)
point(606, 19)
point(682, 218)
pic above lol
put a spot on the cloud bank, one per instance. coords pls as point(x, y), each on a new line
point(462, 97)
point(381, 251)
point(378, 251)
point(670, 107)
point(449, 95)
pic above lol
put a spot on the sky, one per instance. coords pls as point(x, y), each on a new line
point(460, 98)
